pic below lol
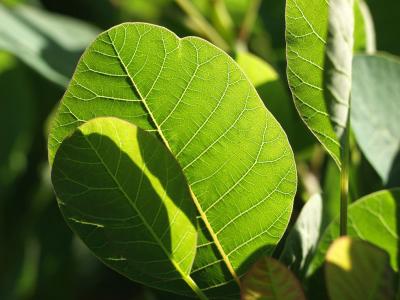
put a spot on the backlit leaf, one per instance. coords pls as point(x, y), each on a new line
point(234, 154)
point(124, 194)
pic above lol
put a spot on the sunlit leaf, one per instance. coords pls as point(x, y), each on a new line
point(234, 154)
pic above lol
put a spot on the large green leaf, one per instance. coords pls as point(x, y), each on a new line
point(319, 44)
point(234, 154)
point(269, 279)
point(376, 113)
point(50, 44)
point(373, 218)
point(358, 270)
point(124, 194)
point(303, 238)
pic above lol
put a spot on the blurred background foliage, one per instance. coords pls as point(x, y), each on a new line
point(40, 44)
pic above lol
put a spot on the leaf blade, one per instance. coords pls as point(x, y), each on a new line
point(99, 162)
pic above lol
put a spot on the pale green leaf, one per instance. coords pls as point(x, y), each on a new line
point(269, 279)
point(376, 114)
point(303, 238)
point(48, 43)
point(124, 194)
point(234, 154)
point(373, 218)
point(358, 270)
point(319, 44)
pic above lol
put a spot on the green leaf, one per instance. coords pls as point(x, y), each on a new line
point(319, 44)
point(303, 238)
point(234, 154)
point(364, 31)
point(124, 194)
point(373, 218)
point(274, 94)
point(358, 270)
point(375, 117)
point(48, 43)
point(269, 279)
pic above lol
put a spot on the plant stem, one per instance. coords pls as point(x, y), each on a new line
point(248, 22)
point(202, 24)
point(344, 176)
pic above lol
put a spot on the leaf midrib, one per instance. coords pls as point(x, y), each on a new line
point(187, 278)
point(195, 200)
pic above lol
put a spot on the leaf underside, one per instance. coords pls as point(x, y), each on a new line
point(233, 153)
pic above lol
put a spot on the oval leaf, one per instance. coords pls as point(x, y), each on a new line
point(319, 45)
point(269, 279)
point(358, 270)
point(376, 113)
point(124, 194)
point(234, 154)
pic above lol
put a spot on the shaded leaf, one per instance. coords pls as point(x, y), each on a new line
point(234, 154)
point(124, 194)
point(269, 279)
point(358, 270)
point(376, 114)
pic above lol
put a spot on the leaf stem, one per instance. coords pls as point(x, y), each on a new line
point(202, 24)
point(248, 22)
point(344, 176)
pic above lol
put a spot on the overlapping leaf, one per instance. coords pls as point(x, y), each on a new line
point(235, 156)
point(319, 41)
point(124, 194)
